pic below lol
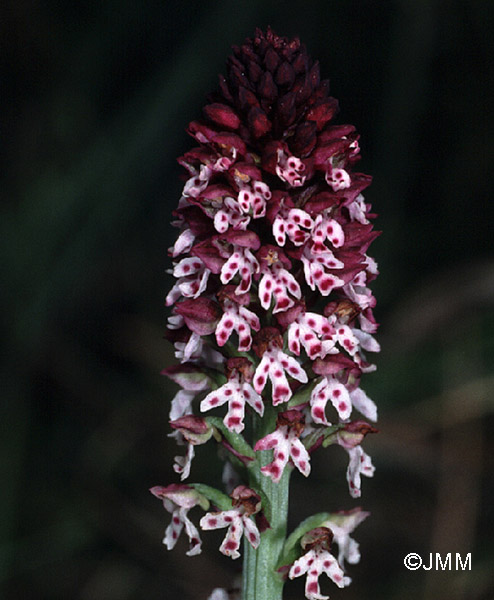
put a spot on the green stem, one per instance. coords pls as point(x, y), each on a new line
point(260, 580)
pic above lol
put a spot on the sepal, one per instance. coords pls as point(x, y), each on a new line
point(185, 496)
point(349, 435)
point(191, 378)
point(196, 430)
point(201, 315)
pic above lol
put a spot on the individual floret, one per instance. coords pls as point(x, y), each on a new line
point(246, 503)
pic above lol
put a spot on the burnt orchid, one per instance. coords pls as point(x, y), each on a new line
point(271, 317)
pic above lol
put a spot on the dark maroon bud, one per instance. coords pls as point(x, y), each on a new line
point(286, 109)
point(300, 63)
point(241, 365)
point(285, 75)
point(201, 132)
point(353, 434)
point(227, 292)
point(321, 202)
point(238, 78)
point(259, 123)
point(224, 88)
point(320, 537)
point(198, 222)
point(271, 59)
point(222, 115)
point(247, 98)
point(314, 75)
point(323, 112)
point(191, 424)
point(255, 72)
point(293, 419)
point(305, 138)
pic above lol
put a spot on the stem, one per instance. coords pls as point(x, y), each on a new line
point(260, 581)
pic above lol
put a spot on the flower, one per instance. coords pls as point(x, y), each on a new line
point(274, 364)
point(276, 281)
point(192, 381)
point(359, 464)
point(330, 389)
point(318, 269)
point(233, 593)
point(237, 391)
point(312, 331)
point(286, 445)
point(192, 280)
point(292, 222)
point(236, 317)
point(350, 438)
point(241, 260)
point(343, 398)
point(326, 228)
point(178, 500)
point(238, 520)
point(341, 525)
point(195, 431)
point(219, 594)
point(318, 560)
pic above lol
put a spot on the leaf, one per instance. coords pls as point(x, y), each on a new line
point(236, 440)
point(302, 395)
point(327, 433)
point(330, 435)
point(219, 499)
point(291, 550)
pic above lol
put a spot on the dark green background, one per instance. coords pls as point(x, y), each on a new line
point(96, 99)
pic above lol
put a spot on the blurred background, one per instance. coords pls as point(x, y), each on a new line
point(96, 99)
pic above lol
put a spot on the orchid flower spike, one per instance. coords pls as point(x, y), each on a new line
point(271, 315)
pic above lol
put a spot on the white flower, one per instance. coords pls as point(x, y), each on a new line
point(236, 393)
point(359, 464)
point(330, 389)
point(273, 365)
point(276, 281)
point(183, 463)
point(240, 319)
point(313, 332)
point(326, 228)
point(285, 443)
point(289, 222)
point(318, 270)
point(252, 198)
point(290, 169)
point(342, 524)
point(316, 561)
point(178, 500)
point(238, 520)
point(243, 262)
point(192, 277)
